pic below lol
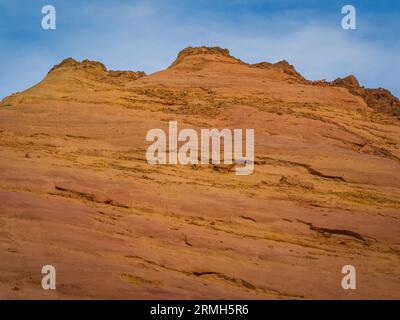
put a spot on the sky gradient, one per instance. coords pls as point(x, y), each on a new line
point(147, 36)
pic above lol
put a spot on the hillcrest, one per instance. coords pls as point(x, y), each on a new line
point(190, 153)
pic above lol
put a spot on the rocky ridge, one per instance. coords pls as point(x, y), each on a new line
point(76, 190)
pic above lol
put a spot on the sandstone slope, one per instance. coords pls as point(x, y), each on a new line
point(76, 191)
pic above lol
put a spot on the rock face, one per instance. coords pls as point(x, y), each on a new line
point(76, 191)
point(203, 51)
point(70, 79)
point(284, 67)
point(379, 99)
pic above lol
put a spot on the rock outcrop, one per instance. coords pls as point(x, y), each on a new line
point(76, 190)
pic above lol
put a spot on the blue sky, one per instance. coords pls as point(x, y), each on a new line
point(147, 35)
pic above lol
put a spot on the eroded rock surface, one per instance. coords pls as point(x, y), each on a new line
point(76, 191)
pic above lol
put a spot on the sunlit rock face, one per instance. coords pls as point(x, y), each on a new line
point(77, 192)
